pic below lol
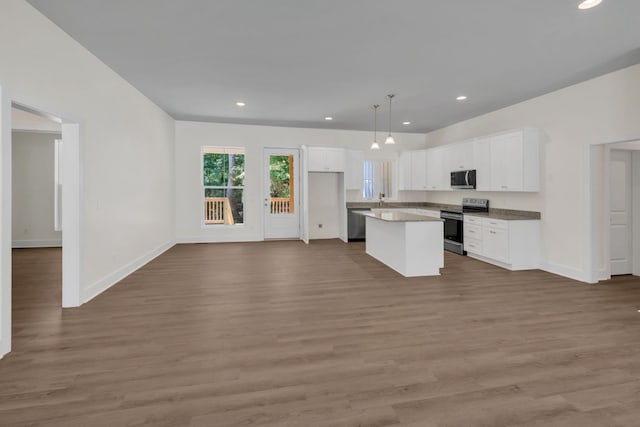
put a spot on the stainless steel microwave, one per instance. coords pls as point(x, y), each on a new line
point(463, 179)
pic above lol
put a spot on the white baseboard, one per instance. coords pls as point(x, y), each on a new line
point(489, 261)
point(563, 270)
point(5, 348)
point(222, 239)
point(603, 275)
point(108, 281)
point(21, 244)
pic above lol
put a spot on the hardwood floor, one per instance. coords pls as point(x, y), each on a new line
point(283, 334)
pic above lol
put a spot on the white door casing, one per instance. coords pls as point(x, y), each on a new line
point(5, 223)
point(281, 221)
point(304, 194)
point(620, 212)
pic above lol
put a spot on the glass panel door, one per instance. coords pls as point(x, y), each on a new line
point(282, 184)
point(281, 213)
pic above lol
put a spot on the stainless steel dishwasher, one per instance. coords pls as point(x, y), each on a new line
point(356, 225)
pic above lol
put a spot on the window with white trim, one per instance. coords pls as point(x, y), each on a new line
point(223, 175)
point(378, 180)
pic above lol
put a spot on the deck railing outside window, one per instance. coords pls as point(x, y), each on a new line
point(217, 210)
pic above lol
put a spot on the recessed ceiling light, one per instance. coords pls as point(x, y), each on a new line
point(328, 118)
point(406, 123)
point(588, 4)
point(240, 104)
point(461, 98)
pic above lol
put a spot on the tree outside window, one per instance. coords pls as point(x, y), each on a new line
point(281, 184)
point(223, 174)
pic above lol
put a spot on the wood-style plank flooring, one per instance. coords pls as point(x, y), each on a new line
point(283, 334)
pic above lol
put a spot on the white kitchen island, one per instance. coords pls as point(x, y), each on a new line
point(413, 245)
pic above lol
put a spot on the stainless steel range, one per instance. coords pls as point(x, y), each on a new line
point(454, 223)
point(470, 205)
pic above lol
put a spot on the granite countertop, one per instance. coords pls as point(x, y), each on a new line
point(503, 214)
point(392, 216)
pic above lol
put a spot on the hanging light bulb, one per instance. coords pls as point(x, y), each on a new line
point(390, 139)
point(374, 144)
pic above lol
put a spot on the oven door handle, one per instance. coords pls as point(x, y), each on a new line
point(451, 216)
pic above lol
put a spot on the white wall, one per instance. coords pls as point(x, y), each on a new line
point(33, 190)
point(191, 136)
point(324, 205)
point(127, 167)
point(635, 209)
point(605, 109)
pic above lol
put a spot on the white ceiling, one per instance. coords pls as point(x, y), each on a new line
point(296, 61)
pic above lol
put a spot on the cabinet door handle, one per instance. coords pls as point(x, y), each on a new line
point(492, 232)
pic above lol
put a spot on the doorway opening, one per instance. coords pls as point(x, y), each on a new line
point(617, 225)
point(36, 230)
point(40, 188)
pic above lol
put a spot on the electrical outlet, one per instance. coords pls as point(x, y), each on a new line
point(319, 225)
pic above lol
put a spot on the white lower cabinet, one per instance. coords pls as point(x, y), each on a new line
point(473, 246)
point(472, 232)
point(495, 244)
point(514, 245)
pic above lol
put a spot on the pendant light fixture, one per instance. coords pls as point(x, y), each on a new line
point(374, 144)
point(390, 139)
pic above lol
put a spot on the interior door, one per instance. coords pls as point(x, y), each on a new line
point(620, 214)
point(281, 193)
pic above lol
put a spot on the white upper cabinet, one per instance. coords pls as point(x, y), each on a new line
point(505, 162)
point(418, 170)
point(404, 173)
point(412, 173)
point(326, 159)
point(436, 172)
point(354, 172)
point(482, 160)
point(515, 161)
point(460, 156)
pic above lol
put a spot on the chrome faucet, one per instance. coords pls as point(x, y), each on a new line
point(380, 199)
